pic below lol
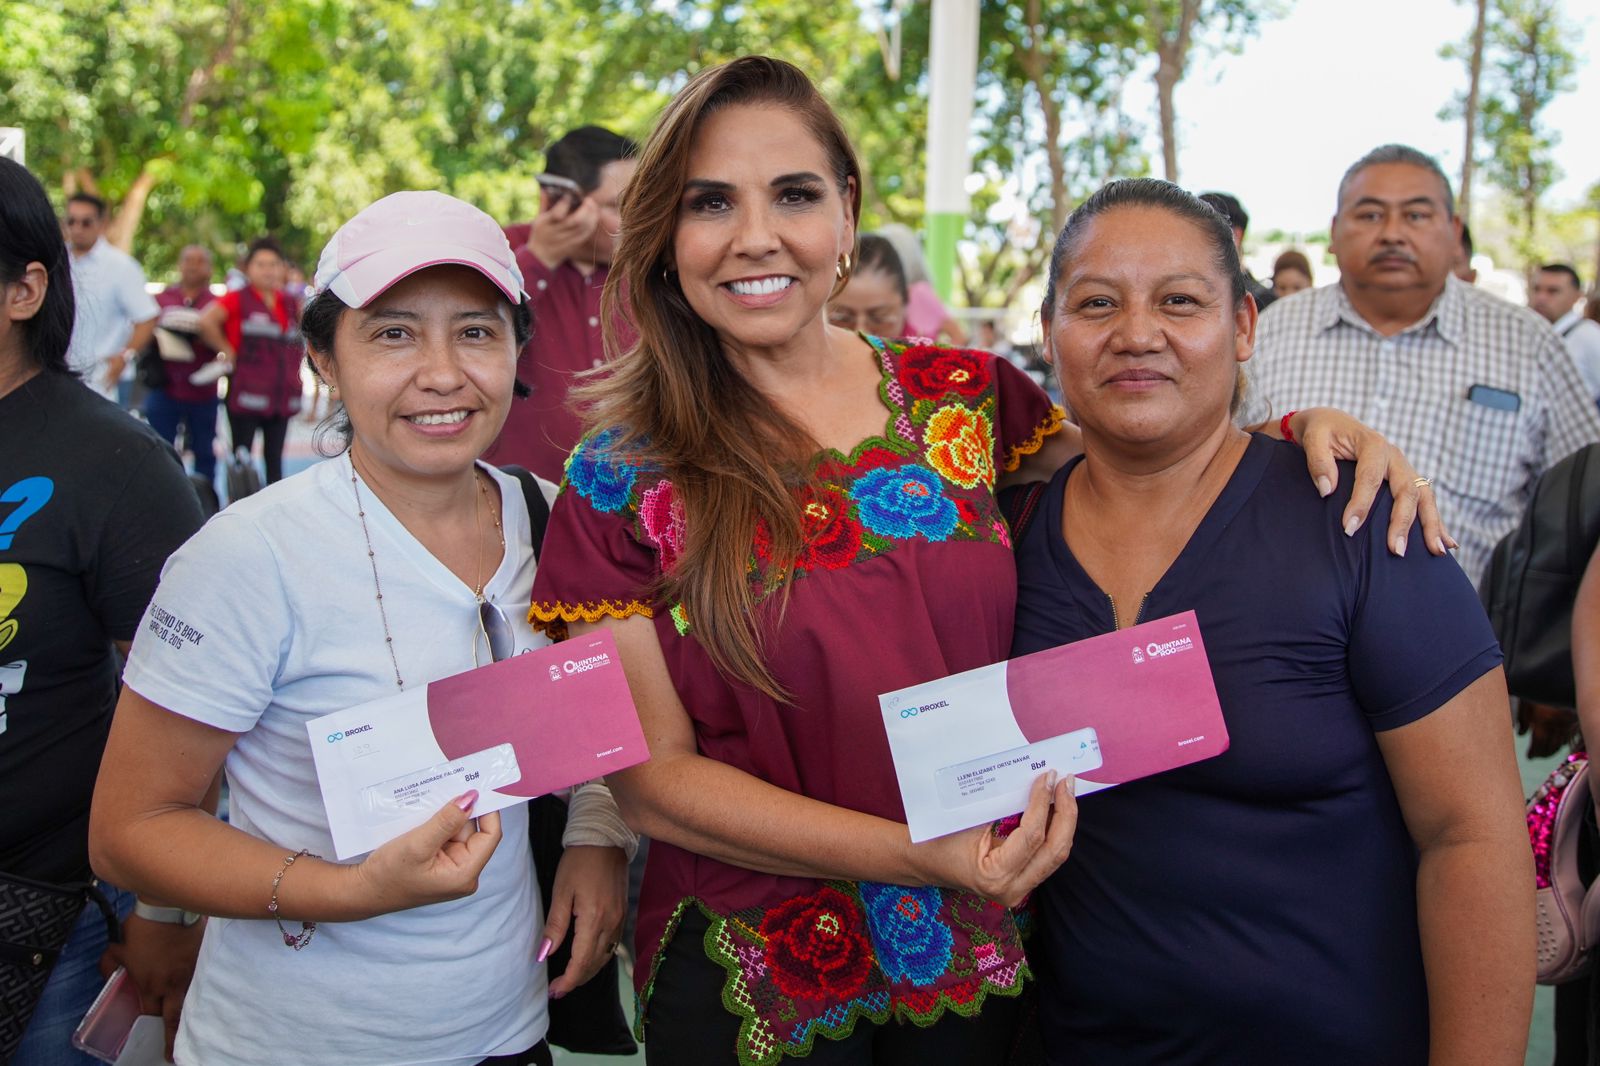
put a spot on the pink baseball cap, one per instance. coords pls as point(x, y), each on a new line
point(409, 231)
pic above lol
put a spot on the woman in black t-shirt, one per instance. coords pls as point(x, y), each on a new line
point(91, 504)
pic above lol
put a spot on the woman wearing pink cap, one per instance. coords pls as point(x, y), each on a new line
point(380, 570)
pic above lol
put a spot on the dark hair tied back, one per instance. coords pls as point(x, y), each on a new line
point(1148, 192)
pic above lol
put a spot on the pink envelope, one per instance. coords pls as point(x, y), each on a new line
point(1146, 690)
point(517, 729)
point(1107, 710)
point(565, 709)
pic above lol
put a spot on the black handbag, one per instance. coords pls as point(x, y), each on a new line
point(36, 921)
point(1533, 576)
point(149, 368)
point(588, 1020)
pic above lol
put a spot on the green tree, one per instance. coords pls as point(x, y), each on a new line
point(216, 121)
point(1172, 29)
point(1529, 59)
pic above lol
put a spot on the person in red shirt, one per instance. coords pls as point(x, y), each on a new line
point(177, 400)
point(257, 331)
point(564, 254)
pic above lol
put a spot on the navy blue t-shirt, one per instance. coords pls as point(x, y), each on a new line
point(1259, 907)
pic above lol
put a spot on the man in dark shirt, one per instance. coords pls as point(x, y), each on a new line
point(564, 254)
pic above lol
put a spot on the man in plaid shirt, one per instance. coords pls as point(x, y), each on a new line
point(1479, 394)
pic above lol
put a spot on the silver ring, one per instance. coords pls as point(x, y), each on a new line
point(1422, 482)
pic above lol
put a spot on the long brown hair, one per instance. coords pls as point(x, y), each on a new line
point(677, 401)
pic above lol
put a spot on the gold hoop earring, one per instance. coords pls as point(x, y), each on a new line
point(841, 269)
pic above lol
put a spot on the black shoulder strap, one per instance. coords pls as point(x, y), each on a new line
point(538, 507)
point(1019, 503)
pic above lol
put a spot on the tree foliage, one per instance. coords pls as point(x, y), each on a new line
point(1529, 61)
point(218, 120)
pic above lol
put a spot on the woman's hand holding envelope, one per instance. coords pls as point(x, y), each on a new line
point(438, 860)
point(1007, 869)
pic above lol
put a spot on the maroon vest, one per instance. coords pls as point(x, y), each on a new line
point(266, 381)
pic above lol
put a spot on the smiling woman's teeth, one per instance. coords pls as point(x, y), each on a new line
point(448, 419)
point(760, 287)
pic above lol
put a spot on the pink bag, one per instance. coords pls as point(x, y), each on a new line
point(1568, 915)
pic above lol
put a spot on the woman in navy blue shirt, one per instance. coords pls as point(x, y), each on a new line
point(1350, 881)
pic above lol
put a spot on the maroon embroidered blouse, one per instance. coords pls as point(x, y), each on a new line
point(906, 576)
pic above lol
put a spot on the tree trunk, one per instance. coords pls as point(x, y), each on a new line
point(1165, 84)
point(1475, 77)
point(125, 223)
point(1034, 64)
point(1172, 56)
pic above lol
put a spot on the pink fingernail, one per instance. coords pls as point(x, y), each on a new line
point(544, 949)
point(466, 800)
point(557, 995)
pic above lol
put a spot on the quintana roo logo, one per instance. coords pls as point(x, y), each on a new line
point(555, 672)
point(1138, 654)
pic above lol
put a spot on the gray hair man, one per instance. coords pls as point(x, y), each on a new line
point(1480, 394)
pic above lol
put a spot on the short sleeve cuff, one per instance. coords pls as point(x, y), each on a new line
point(195, 706)
point(1439, 694)
point(1051, 425)
point(553, 616)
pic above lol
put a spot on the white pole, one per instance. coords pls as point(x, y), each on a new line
point(953, 74)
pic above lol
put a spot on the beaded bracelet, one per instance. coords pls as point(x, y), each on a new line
point(307, 929)
point(1283, 428)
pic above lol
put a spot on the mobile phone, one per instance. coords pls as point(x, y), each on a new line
point(561, 189)
point(1499, 399)
point(105, 1027)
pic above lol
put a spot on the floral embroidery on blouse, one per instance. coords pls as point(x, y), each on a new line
point(815, 964)
point(929, 476)
point(596, 471)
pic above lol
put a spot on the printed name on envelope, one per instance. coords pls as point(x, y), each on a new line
point(554, 717)
point(1108, 710)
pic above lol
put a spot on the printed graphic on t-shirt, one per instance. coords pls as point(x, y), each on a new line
point(168, 628)
point(27, 497)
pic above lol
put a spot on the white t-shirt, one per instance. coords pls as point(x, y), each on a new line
point(108, 290)
point(270, 618)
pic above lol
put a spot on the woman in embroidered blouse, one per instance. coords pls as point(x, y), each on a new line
point(780, 520)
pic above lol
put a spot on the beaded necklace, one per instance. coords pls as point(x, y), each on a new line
point(372, 556)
